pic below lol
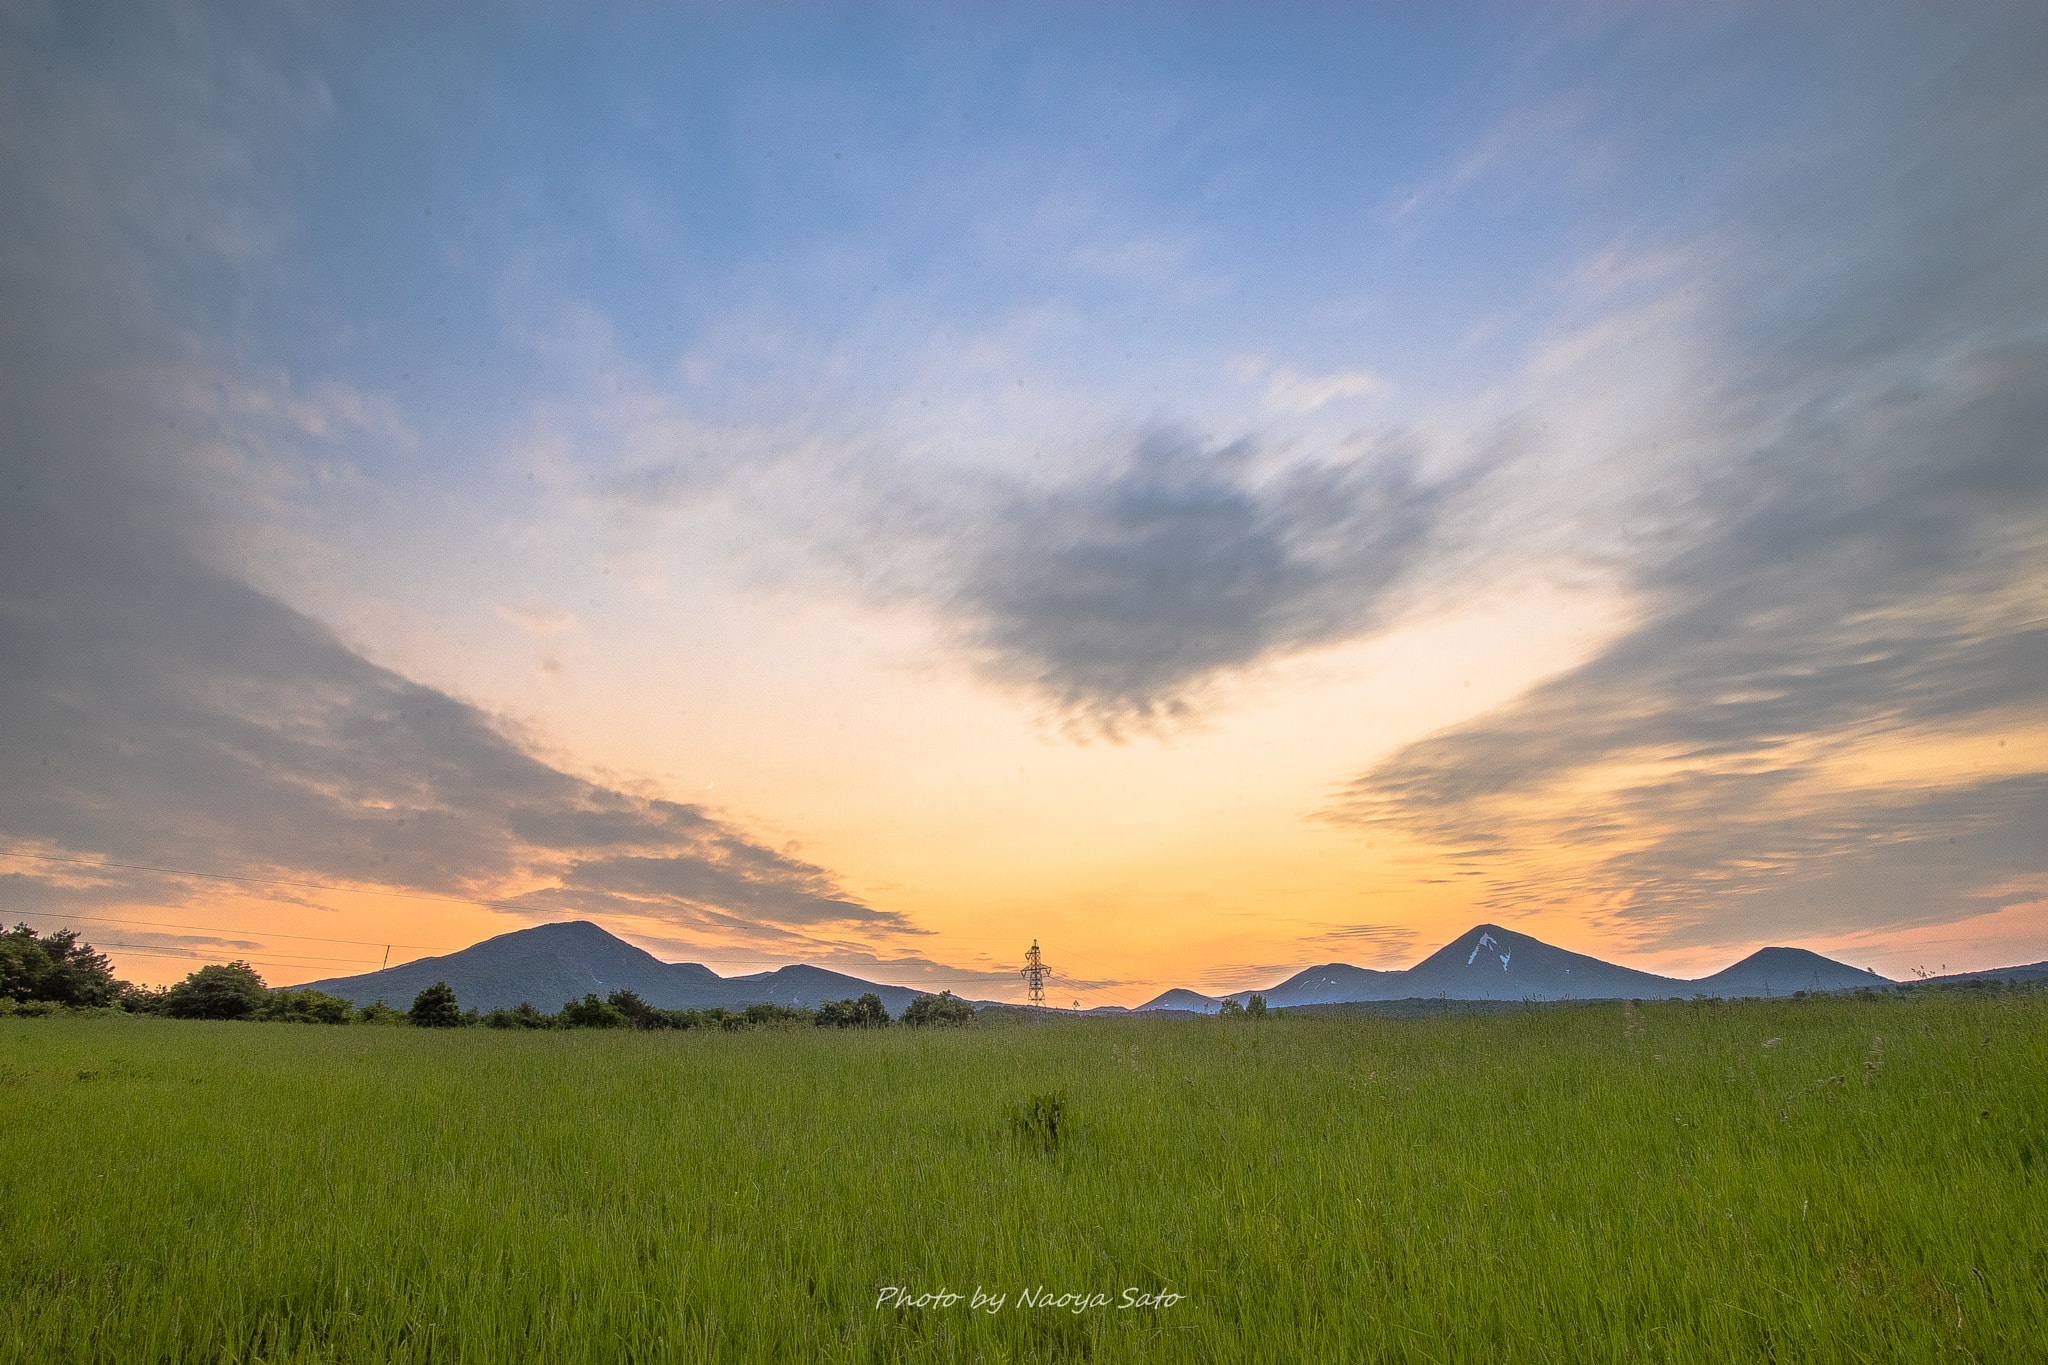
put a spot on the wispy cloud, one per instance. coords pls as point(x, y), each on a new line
point(1381, 940)
point(164, 711)
point(1289, 390)
point(1858, 579)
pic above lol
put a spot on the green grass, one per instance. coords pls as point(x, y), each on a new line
point(1567, 1185)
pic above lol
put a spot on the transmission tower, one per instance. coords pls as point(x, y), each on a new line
point(1035, 972)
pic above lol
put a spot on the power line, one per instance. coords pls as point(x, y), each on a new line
point(1112, 992)
point(162, 951)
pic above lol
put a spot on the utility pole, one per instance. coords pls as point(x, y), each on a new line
point(1035, 972)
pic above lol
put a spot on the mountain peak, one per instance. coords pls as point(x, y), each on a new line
point(548, 964)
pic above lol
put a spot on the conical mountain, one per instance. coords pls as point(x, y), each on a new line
point(550, 964)
point(1180, 998)
point(1487, 962)
point(1332, 983)
point(1781, 971)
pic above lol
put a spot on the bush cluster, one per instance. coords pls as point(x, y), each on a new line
point(42, 975)
point(625, 1009)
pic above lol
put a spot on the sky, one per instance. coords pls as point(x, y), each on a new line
point(1210, 489)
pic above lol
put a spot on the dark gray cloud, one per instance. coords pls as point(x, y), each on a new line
point(1119, 596)
point(159, 709)
point(180, 718)
point(1118, 593)
point(1867, 571)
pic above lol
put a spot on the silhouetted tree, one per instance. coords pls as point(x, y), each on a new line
point(1256, 1007)
point(233, 991)
point(1230, 1009)
point(943, 1008)
point(435, 1007)
point(24, 964)
point(140, 999)
point(56, 967)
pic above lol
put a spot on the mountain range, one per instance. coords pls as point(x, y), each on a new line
point(552, 963)
point(1488, 962)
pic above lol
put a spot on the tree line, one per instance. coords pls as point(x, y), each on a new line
point(42, 975)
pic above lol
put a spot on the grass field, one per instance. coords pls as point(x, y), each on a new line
point(1569, 1185)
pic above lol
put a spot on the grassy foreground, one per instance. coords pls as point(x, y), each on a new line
point(1571, 1185)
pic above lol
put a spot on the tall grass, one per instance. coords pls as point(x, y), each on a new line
point(1567, 1185)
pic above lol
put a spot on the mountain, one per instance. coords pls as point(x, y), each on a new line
point(2035, 971)
point(1328, 984)
point(1487, 962)
point(1492, 963)
point(805, 986)
point(553, 963)
point(1781, 971)
point(1182, 999)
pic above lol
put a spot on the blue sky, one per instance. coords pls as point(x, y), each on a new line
point(1263, 481)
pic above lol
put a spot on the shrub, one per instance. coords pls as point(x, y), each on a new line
point(522, 1015)
point(140, 999)
point(638, 1012)
point(768, 1012)
point(377, 1012)
point(435, 1007)
point(1038, 1121)
point(1230, 1009)
point(866, 1012)
point(233, 991)
point(307, 1007)
point(943, 1008)
point(591, 1012)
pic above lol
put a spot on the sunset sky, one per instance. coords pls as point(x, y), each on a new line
point(1213, 489)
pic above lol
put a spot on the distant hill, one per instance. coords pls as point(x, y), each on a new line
point(1180, 999)
point(1781, 971)
point(1327, 985)
point(1488, 962)
point(553, 963)
point(2034, 971)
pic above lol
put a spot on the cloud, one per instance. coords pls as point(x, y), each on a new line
point(160, 708)
point(538, 621)
point(1119, 594)
point(1290, 391)
point(190, 720)
point(1856, 579)
point(187, 944)
point(1386, 940)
